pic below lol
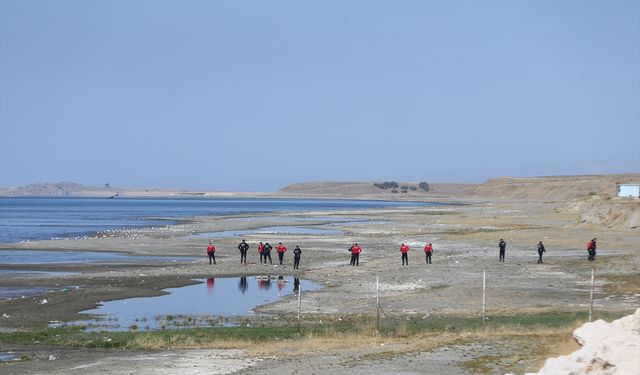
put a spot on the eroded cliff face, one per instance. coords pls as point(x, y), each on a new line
point(556, 188)
point(617, 212)
point(607, 349)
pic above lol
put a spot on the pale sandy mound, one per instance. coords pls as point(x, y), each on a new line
point(331, 188)
point(557, 188)
point(368, 188)
point(607, 349)
point(617, 212)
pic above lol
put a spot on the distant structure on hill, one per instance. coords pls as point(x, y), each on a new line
point(629, 190)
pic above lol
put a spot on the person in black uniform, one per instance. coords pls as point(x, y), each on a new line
point(243, 247)
point(266, 252)
point(503, 248)
point(296, 257)
point(540, 251)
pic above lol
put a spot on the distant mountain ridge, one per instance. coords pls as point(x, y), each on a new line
point(72, 189)
point(554, 188)
point(56, 189)
point(350, 188)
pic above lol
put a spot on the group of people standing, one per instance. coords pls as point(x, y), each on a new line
point(591, 248)
point(355, 254)
point(404, 251)
point(264, 250)
point(503, 249)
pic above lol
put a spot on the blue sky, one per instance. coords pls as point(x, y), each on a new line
point(254, 95)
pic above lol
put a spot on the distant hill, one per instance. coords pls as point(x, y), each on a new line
point(555, 188)
point(326, 188)
point(72, 189)
point(56, 189)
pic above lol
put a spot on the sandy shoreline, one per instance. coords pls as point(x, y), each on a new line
point(465, 241)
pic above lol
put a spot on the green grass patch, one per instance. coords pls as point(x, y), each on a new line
point(482, 365)
point(74, 337)
point(356, 325)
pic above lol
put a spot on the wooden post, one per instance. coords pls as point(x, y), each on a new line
point(377, 304)
point(484, 296)
point(299, 298)
point(593, 281)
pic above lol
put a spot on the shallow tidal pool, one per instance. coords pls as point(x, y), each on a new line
point(212, 302)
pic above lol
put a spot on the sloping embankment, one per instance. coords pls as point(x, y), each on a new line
point(558, 188)
point(619, 213)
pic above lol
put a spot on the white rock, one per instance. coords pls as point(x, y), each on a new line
point(607, 349)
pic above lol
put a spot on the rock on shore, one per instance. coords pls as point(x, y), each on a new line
point(607, 349)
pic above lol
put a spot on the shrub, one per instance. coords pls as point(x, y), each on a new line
point(424, 186)
point(387, 185)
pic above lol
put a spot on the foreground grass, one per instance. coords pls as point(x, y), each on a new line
point(352, 330)
point(531, 336)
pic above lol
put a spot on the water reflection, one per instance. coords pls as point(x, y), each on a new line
point(264, 282)
point(296, 285)
point(185, 306)
point(242, 284)
point(6, 356)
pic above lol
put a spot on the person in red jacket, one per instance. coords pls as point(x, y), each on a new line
point(260, 247)
point(355, 254)
point(428, 250)
point(281, 250)
point(591, 248)
point(211, 252)
point(404, 250)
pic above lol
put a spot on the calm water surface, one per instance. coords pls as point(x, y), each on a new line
point(204, 304)
point(52, 257)
point(29, 219)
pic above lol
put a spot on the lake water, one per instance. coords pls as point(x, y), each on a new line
point(29, 219)
point(49, 257)
point(10, 292)
point(212, 302)
point(20, 257)
point(6, 356)
point(31, 273)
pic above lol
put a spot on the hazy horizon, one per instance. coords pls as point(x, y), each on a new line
point(115, 187)
point(253, 96)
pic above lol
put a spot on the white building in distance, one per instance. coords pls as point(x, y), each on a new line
point(629, 190)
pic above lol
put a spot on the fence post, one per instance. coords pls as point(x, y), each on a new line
point(484, 296)
point(299, 298)
point(593, 281)
point(377, 304)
